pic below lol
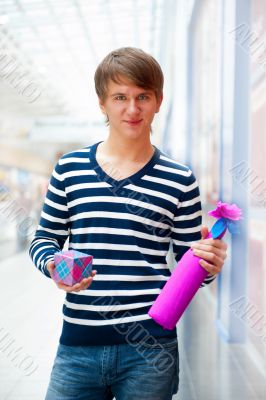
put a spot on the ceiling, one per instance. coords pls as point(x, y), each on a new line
point(54, 46)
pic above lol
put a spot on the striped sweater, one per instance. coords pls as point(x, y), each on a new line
point(127, 226)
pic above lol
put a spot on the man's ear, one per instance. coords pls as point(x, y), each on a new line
point(101, 104)
point(159, 102)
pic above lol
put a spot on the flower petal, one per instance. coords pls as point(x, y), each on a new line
point(225, 210)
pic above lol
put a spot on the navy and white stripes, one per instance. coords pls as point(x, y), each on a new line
point(127, 225)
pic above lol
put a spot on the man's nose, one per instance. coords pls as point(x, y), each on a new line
point(133, 106)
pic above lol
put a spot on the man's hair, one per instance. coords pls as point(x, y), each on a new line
point(132, 64)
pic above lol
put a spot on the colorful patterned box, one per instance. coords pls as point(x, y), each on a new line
point(71, 266)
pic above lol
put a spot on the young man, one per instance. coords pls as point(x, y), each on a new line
point(123, 201)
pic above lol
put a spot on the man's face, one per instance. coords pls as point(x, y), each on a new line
point(130, 109)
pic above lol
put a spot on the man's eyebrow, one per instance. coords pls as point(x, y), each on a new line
point(124, 94)
point(117, 94)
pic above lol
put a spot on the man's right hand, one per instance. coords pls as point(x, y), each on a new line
point(82, 285)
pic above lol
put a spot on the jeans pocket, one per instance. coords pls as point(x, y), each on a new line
point(160, 353)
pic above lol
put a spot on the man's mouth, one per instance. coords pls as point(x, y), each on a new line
point(134, 122)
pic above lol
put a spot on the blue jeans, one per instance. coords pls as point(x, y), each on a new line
point(147, 370)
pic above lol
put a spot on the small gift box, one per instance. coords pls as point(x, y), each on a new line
point(71, 266)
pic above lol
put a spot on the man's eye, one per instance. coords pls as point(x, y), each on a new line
point(120, 97)
point(143, 97)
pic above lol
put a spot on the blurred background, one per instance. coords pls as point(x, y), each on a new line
point(213, 55)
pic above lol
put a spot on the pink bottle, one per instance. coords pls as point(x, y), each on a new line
point(188, 275)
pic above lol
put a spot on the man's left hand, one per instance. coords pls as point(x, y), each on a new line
point(212, 252)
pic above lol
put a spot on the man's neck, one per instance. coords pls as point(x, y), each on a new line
point(135, 150)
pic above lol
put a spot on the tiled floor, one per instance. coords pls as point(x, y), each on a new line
point(30, 324)
point(210, 368)
point(10, 246)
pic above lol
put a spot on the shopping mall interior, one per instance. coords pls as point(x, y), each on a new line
point(213, 56)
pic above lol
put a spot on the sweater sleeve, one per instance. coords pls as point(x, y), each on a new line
point(186, 228)
point(54, 226)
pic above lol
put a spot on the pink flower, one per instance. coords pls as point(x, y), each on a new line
point(225, 210)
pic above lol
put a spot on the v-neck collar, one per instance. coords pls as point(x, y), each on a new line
point(102, 175)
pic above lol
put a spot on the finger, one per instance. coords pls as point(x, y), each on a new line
point(83, 284)
point(69, 288)
point(209, 249)
point(50, 267)
point(220, 251)
point(86, 280)
point(209, 257)
point(51, 262)
point(212, 269)
point(77, 287)
point(64, 287)
point(220, 244)
point(90, 278)
point(204, 231)
point(217, 264)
